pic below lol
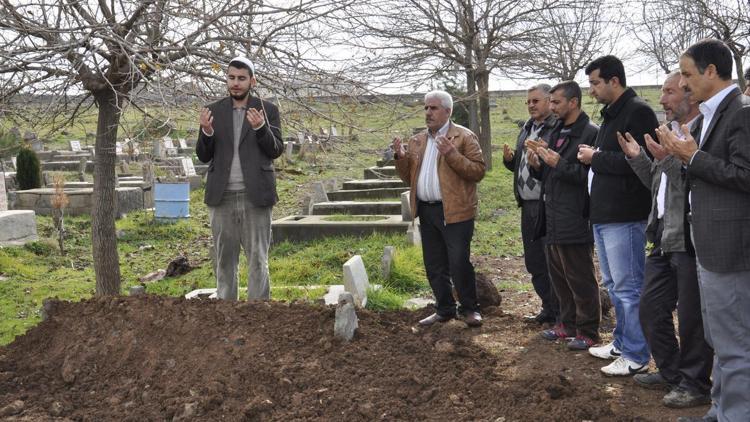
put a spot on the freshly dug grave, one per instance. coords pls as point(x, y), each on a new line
point(158, 358)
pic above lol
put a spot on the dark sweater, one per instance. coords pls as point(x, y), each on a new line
point(617, 195)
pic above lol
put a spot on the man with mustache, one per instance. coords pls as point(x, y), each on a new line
point(671, 279)
point(443, 166)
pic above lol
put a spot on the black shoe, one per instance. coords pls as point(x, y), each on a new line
point(652, 381)
point(473, 319)
point(430, 320)
point(540, 318)
point(681, 398)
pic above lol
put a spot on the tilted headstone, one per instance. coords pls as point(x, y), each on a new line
point(405, 206)
point(346, 322)
point(15, 165)
point(334, 132)
point(386, 262)
point(319, 194)
point(289, 150)
point(413, 236)
point(300, 138)
point(37, 145)
point(188, 169)
point(182, 142)
point(75, 146)
point(355, 280)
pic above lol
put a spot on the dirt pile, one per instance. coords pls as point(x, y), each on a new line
point(158, 358)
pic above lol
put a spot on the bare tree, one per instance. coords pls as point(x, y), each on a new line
point(664, 29)
point(574, 34)
point(411, 42)
point(84, 53)
point(668, 27)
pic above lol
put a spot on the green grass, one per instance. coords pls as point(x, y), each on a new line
point(37, 271)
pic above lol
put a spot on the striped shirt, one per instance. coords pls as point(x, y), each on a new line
point(428, 183)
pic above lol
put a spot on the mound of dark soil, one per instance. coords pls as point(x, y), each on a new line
point(150, 358)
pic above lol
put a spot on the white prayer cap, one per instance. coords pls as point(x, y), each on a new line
point(246, 61)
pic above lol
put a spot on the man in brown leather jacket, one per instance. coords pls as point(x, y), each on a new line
point(443, 166)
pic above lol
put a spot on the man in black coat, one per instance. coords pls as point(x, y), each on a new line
point(526, 189)
point(240, 136)
point(620, 205)
point(718, 171)
point(566, 225)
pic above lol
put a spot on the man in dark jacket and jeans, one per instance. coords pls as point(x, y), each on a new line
point(526, 189)
point(620, 204)
point(568, 232)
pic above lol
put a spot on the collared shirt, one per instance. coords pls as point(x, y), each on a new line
point(708, 109)
point(236, 181)
point(428, 183)
point(661, 195)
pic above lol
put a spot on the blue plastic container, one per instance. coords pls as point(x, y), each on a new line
point(171, 201)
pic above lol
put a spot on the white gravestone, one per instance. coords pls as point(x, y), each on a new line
point(356, 281)
point(183, 143)
point(187, 166)
point(118, 148)
point(75, 146)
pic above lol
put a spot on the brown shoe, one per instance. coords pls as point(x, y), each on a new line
point(433, 319)
point(473, 319)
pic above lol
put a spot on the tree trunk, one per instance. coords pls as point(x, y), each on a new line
point(485, 132)
point(471, 94)
point(740, 73)
point(103, 232)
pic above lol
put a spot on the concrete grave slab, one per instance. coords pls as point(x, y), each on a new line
point(17, 227)
point(355, 280)
point(357, 208)
point(298, 228)
point(380, 172)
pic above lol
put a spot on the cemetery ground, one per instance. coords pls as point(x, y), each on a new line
point(161, 357)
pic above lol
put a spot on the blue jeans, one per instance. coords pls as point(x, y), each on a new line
point(622, 257)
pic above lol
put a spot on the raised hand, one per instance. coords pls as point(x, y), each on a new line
point(444, 145)
point(628, 144)
point(550, 158)
point(655, 149)
point(255, 118)
point(206, 120)
point(398, 148)
point(507, 153)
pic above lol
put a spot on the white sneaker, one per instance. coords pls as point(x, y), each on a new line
point(608, 351)
point(623, 367)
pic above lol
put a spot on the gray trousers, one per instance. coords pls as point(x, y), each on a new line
point(725, 305)
point(236, 222)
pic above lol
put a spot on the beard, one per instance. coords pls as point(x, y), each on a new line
point(241, 96)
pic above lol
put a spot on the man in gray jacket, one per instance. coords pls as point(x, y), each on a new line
point(671, 277)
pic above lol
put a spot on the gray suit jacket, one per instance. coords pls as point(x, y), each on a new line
point(257, 151)
point(719, 179)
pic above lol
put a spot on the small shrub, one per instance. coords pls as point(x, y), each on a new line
point(39, 248)
point(28, 172)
